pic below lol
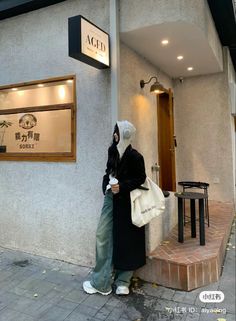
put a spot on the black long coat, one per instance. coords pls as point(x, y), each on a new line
point(128, 240)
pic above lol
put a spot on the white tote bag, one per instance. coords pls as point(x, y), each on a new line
point(146, 204)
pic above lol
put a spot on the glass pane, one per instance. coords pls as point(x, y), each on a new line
point(36, 132)
point(44, 94)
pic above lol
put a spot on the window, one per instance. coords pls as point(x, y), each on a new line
point(38, 120)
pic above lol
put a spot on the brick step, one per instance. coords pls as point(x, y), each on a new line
point(187, 266)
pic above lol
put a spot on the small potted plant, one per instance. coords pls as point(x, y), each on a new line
point(3, 124)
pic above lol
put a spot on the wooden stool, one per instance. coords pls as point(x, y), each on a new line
point(192, 197)
point(199, 185)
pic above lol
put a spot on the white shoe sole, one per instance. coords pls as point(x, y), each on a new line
point(88, 288)
point(122, 290)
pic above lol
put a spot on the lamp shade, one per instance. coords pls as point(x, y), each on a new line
point(156, 88)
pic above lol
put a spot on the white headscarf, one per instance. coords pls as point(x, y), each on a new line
point(127, 134)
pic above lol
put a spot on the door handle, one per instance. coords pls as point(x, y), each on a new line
point(155, 168)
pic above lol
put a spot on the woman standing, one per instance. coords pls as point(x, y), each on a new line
point(120, 245)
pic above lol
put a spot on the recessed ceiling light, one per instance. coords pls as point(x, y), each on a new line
point(180, 57)
point(69, 81)
point(40, 85)
point(14, 89)
point(165, 42)
point(190, 68)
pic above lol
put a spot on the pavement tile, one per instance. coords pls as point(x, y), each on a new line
point(192, 317)
point(104, 312)
point(43, 309)
point(230, 317)
point(8, 298)
point(5, 275)
point(96, 300)
point(117, 301)
point(228, 305)
point(79, 317)
point(27, 305)
point(168, 294)
point(212, 317)
point(58, 277)
point(76, 296)
point(54, 314)
point(134, 313)
point(86, 310)
point(116, 313)
point(65, 289)
point(66, 304)
point(152, 290)
point(164, 305)
point(179, 296)
point(11, 315)
point(9, 284)
point(37, 286)
point(2, 305)
point(18, 291)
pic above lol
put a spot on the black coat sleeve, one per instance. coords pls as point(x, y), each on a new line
point(105, 180)
point(137, 174)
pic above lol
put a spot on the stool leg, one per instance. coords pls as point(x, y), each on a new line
point(184, 207)
point(193, 218)
point(207, 210)
point(180, 221)
point(201, 222)
point(206, 207)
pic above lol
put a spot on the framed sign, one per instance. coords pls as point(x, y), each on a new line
point(88, 43)
point(37, 120)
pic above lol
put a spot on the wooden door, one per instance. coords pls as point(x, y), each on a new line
point(166, 141)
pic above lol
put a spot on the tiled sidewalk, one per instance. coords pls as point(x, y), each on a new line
point(49, 290)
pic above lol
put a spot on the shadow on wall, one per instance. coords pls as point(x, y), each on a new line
point(144, 115)
point(142, 107)
point(159, 228)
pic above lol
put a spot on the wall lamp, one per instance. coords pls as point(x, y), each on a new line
point(156, 87)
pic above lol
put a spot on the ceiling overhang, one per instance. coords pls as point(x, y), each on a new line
point(185, 39)
point(11, 8)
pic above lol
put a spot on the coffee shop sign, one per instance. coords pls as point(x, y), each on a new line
point(88, 43)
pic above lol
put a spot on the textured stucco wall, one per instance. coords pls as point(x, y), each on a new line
point(202, 123)
point(232, 105)
point(154, 12)
point(140, 107)
point(52, 209)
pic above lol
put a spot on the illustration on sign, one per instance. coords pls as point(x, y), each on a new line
point(27, 139)
point(27, 121)
point(3, 124)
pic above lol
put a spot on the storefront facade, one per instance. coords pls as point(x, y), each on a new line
point(50, 205)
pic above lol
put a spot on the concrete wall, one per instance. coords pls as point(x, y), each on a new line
point(232, 107)
point(202, 126)
point(52, 209)
point(140, 107)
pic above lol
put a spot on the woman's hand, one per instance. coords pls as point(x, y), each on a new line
point(115, 188)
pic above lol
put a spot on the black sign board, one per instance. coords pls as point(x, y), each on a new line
point(88, 43)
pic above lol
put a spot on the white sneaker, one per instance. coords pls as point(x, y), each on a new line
point(88, 288)
point(122, 290)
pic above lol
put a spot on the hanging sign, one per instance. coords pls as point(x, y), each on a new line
point(88, 43)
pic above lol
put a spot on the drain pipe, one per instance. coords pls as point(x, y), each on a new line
point(115, 59)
